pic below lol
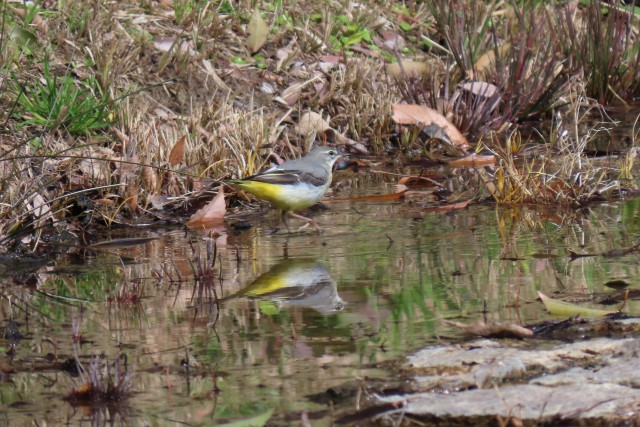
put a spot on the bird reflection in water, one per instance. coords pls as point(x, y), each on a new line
point(297, 283)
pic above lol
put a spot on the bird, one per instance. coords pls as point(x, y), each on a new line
point(294, 185)
point(296, 282)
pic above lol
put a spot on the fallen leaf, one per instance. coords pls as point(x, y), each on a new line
point(166, 44)
point(210, 215)
point(214, 75)
point(258, 32)
point(421, 181)
point(149, 179)
point(268, 88)
point(332, 59)
point(391, 40)
point(561, 308)
point(36, 20)
point(82, 392)
point(24, 39)
point(96, 162)
point(451, 207)
point(482, 89)
point(105, 202)
point(486, 61)
point(123, 137)
point(311, 122)
point(177, 152)
point(493, 330)
point(285, 56)
point(473, 161)
point(158, 201)
point(411, 69)
point(132, 197)
point(411, 114)
point(356, 146)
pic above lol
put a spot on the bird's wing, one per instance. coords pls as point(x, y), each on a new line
point(288, 176)
point(276, 176)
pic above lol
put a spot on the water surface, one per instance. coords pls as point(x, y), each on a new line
point(248, 321)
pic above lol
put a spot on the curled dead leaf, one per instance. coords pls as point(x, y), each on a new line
point(132, 198)
point(258, 32)
point(482, 89)
point(450, 207)
point(426, 180)
point(177, 152)
point(411, 69)
point(210, 215)
point(562, 308)
point(149, 179)
point(411, 114)
point(311, 122)
point(96, 162)
point(473, 161)
point(493, 330)
point(486, 61)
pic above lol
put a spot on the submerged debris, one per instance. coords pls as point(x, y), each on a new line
point(104, 382)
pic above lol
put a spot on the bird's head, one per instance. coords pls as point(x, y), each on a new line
point(327, 155)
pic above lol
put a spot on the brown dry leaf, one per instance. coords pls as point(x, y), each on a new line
point(258, 32)
point(411, 114)
point(82, 392)
point(566, 309)
point(482, 89)
point(473, 161)
point(132, 197)
point(210, 215)
point(104, 202)
point(311, 122)
point(177, 152)
point(391, 40)
point(451, 207)
point(411, 69)
point(426, 180)
point(37, 20)
point(39, 208)
point(355, 146)
point(149, 179)
point(123, 137)
point(158, 201)
point(285, 56)
point(96, 163)
point(493, 330)
point(488, 59)
point(208, 67)
point(167, 44)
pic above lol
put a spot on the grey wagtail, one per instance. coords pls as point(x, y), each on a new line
point(293, 185)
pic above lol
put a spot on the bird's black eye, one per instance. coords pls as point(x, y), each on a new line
point(332, 153)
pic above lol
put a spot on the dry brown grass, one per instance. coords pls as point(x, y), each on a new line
point(190, 105)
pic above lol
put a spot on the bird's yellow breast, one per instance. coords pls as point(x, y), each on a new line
point(283, 196)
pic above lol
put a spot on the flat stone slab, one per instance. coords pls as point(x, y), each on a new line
point(591, 382)
point(597, 403)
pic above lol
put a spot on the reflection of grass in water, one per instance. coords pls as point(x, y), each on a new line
point(94, 286)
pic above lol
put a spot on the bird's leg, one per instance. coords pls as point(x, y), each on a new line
point(310, 221)
point(285, 220)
